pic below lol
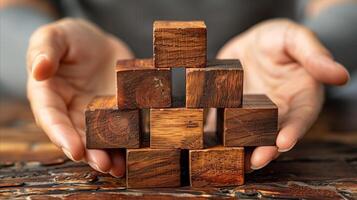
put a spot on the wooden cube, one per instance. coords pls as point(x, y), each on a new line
point(220, 85)
point(176, 128)
point(141, 85)
point(108, 127)
point(179, 44)
point(216, 167)
point(147, 168)
point(255, 124)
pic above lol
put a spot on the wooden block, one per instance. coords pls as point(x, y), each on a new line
point(176, 128)
point(216, 167)
point(255, 124)
point(141, 85)
point(108, 127)
point(179, 44)
point(147, 168)
point(219, 85)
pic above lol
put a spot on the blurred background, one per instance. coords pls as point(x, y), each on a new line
point(334, 22)
point(330, 146)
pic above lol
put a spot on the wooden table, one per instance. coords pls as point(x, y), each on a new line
point(322, 166)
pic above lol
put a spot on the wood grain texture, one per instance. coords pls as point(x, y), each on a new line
point(141, 85)
point(108, 127)
point(219, 85)
point(255, 124)
point(147, 168)
point(179, 44)
point(216, 167)
point(43, 172)
point(176, 128)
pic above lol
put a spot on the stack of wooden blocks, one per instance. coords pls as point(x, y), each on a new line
point(176, 153)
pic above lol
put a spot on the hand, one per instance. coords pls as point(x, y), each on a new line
point(287, 62)
point(69, 62)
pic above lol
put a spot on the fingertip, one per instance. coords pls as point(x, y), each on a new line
point(65, 138)
point(342, 74)
point(326, 70)
point(99, 160)
point(262, 156)
point(76, 157)
point(42, 67)
point(285, 142)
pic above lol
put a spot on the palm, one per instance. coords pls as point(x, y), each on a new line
point(269, 69)
point(285, 61)
point(79, 65)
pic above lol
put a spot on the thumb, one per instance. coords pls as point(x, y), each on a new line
point(47, 47)
point(303, 45)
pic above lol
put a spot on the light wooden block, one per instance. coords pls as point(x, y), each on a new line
point(255, 124)
point(148, 168)
point(141, 85)
point(108, 127)
point(176, 128)
point(216, 167)
point(179, 44)
point(219, 85)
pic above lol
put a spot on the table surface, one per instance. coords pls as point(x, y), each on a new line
point(322, 166)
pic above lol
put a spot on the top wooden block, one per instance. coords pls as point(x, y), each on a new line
point(178, 24)
point(141, 85)
point(179, 44)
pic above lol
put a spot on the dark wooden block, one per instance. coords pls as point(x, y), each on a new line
point(216, 167)
point(176, 128)
point(219, 85)
point(255, 124)
point(141, 85)
point(147, 168)
point(179, 44)
point(108, 127)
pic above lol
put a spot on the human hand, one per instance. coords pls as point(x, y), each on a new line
point(287, 62)
point(69, 62)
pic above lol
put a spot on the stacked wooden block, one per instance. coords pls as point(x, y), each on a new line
point(177, 154)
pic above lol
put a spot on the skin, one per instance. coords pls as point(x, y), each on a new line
point(287, 62)
point(70, 61)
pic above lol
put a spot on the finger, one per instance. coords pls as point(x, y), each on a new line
point(118, 163)
point(98, 160)
point(47, 46)
point(262, 156)
point(299, 118)
point(51, 115)
point(295, 126)
point(303, 45)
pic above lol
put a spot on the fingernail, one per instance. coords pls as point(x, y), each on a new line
point(342, 67)
point(116, 175)
point(95, 166)
point(288, 149)
point(37, 60)
point(68, 154)
point(259, 167)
